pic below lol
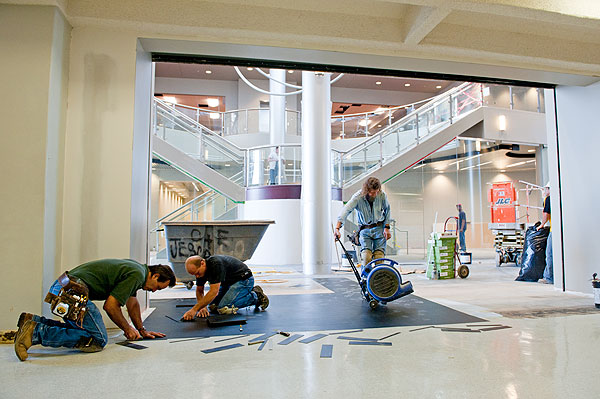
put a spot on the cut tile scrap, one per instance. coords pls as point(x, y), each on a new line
point(421, 328)
point(131, 345)
point(389, 336)
point(346, 332)
point(230, 338)
point(373, 343)
point(357, 338)
point(452, 329)
point(221, 348)
point(290, 339)
point(312, 339)
point(263, 337)
point(263, 344)
point(326, 351)
point(494, 328)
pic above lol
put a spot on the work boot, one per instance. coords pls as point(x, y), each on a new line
point(88, 345)
point(227, 310)
point(23, 339)
point(23, 317)
point(263, 300)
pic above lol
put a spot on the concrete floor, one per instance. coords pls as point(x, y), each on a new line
point(551, 351)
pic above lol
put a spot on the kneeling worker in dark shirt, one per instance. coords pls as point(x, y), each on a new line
point(114, 281)
point(231, 286)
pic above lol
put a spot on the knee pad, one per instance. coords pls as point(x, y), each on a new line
point(378, 254)
point(89, 345)
point(366, 255)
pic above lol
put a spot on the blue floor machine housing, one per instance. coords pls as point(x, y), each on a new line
point(379, 280)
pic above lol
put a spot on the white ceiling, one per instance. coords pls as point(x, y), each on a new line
point(555, 36)
point(354, 81)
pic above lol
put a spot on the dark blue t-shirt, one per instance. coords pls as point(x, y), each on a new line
point(462, 219)
point(224, 269)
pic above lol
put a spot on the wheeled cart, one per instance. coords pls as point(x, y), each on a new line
point(379, 280)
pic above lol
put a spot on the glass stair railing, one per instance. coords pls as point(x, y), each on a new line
point(250, 166)
point(416, 127)
point(199, 142)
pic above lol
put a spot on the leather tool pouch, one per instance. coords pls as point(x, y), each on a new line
point(71, 301)
point(354, 237)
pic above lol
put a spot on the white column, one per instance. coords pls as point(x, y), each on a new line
point(316, 173)
point(277, 107)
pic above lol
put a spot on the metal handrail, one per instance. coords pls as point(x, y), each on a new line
point(380, 112)
point(223, 145)
point(197, 125)
point(187, 204)
point(409, 116)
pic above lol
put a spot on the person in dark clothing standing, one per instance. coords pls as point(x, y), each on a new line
point(462, 227)
point(546, 218)
point(231, 286)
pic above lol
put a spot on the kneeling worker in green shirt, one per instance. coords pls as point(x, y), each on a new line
point(114, 281)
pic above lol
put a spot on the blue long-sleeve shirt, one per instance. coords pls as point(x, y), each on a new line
point(366, 216)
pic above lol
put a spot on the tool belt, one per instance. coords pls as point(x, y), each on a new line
point(71, 301)
point(354, 237)
point(370, 226)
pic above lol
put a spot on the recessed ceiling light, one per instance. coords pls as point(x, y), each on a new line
point(378, 83)
point(503, 170)
point(378, 125)
point(209, 72)
point(213, 102)
point(406, 84)
point(290, 71)
point(438, 87)
point(532, 150)
point(249, 68)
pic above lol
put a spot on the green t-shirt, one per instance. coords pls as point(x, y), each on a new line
point(120, 278)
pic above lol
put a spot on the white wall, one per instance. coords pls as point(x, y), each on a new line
point(579, 141)
point(521, 126)
point(282, 242)
point(34, 75)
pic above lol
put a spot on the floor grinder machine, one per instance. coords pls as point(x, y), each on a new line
point(379, 280)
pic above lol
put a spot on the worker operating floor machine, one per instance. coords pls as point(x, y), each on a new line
point(379, 280)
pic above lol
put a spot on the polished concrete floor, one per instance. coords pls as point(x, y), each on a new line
point(551, 351)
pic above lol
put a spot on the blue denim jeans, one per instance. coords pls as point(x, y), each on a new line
point(372, 239)
point(273, 175)
point(239, 295)
point(461, 240)
point(549, 270)
point(55, 333)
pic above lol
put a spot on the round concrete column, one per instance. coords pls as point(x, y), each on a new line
point(316, 173)
point(277, 107)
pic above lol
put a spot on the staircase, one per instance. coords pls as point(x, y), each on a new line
point(216, 162)
point(420, 133)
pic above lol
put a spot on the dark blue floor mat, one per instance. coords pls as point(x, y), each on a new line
point(343, 309)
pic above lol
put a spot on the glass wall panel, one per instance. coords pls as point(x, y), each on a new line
point(423, 198)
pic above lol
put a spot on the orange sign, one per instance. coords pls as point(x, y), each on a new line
point(502, 197)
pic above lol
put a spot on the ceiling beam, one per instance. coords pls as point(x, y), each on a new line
point(421, 21)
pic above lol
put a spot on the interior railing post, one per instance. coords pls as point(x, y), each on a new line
point(417, 126)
